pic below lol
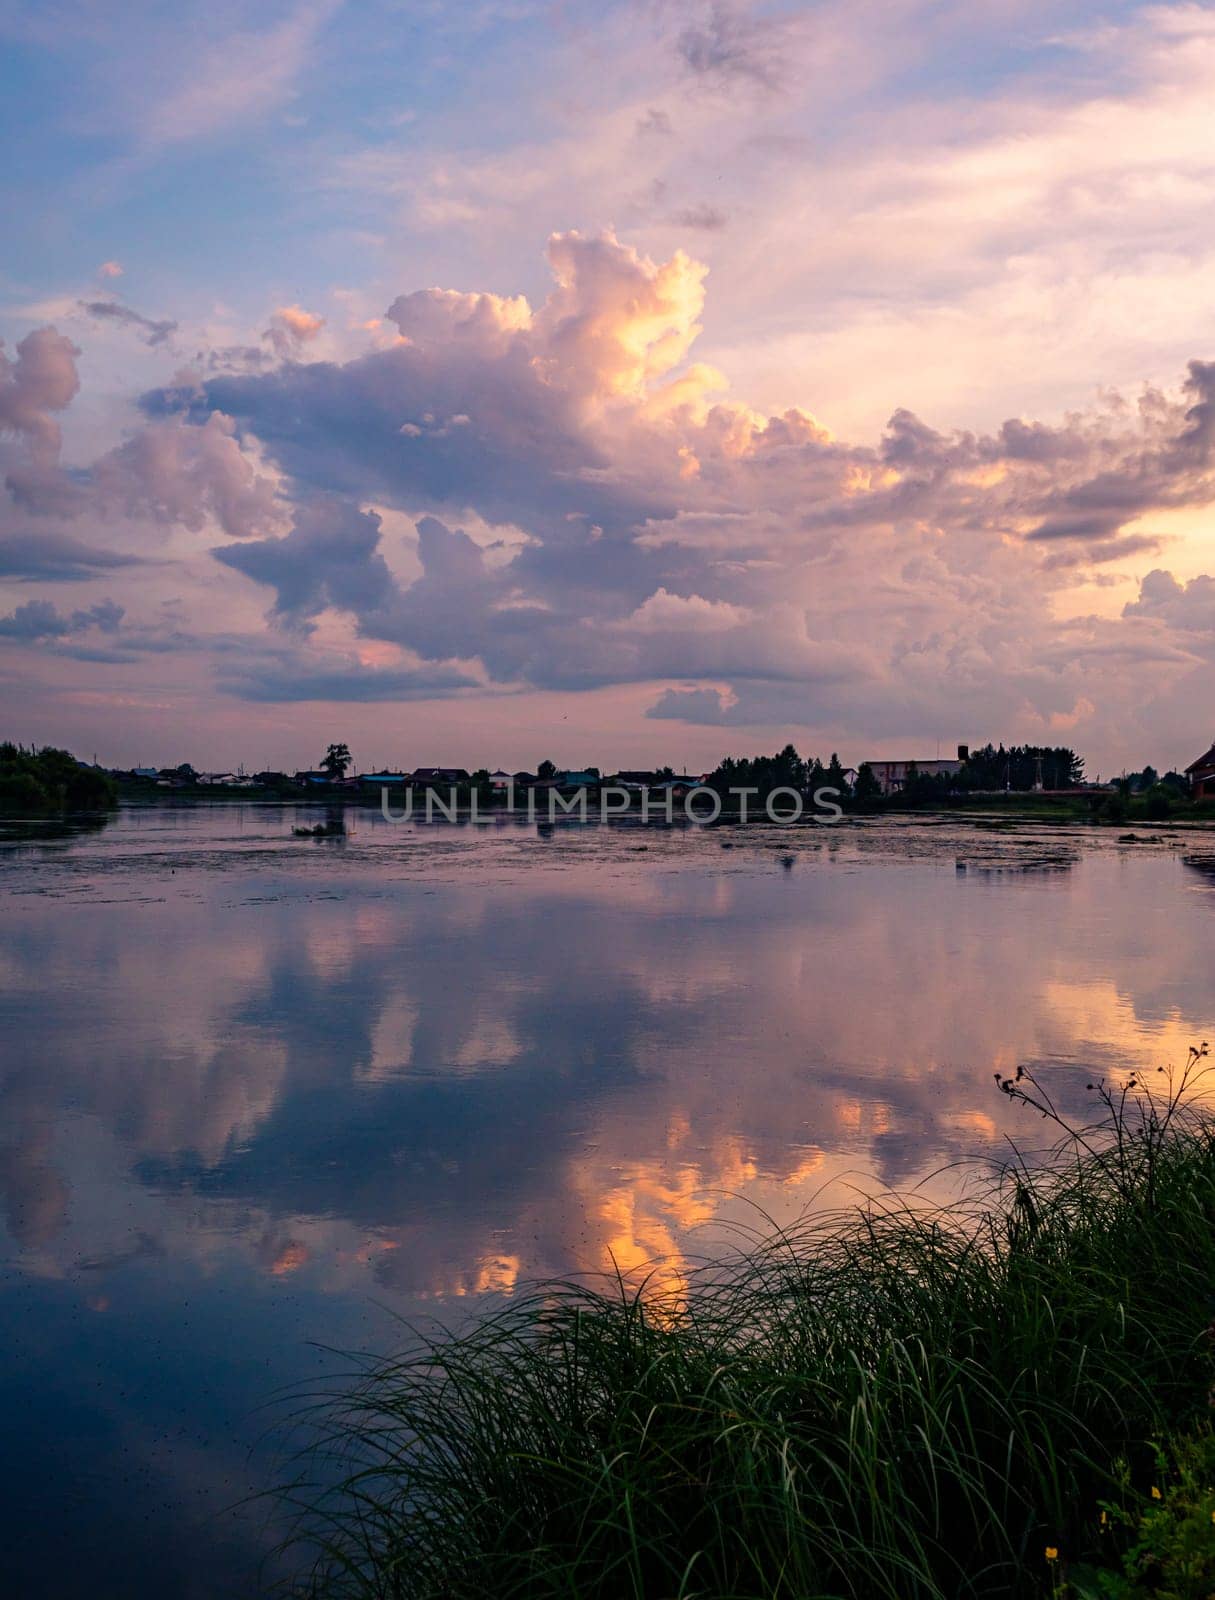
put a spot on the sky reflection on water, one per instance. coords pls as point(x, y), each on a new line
point(259, 1091)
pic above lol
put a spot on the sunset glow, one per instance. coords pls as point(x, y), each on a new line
point(744, 371)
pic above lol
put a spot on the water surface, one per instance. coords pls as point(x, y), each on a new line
point(262, 1095)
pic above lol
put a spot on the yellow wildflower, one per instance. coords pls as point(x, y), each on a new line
point(1052, 1553)
point(1155, 1492)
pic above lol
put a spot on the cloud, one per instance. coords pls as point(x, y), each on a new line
point(176, 474)
point(291, 327)
point(708, 707)
point(707, 218)
point(330, 557)
point(110, 269)
point(554, 496)
point(286, 678)
point(42, 381)
point(153, 333)
point(240, 78)
point(40, 619)
point(168, 473)
point(1187, 607)
point(673, 534)
point(729, 44)
point(663, 612)
point(1107, 550)
point(56, 557)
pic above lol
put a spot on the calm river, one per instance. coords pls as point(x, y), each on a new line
point(261, 1097)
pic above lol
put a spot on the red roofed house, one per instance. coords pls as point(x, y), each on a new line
point(1201, 774)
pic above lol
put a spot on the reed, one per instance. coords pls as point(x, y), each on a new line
point(896, 1405)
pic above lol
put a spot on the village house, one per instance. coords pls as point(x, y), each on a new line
point(382, 780)
point(677, 788)
point(633, 778)
point(432, 775)
point(1201, 774)
point(893, 775)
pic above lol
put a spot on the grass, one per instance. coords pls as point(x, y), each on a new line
point(900, 1405)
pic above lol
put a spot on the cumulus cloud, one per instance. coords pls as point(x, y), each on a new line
point(166, 474)
point(41, 382)
point(330, 557)
point(709, 707)
point(556, 497)
point(175, 474)
point(673, 533)
point(663, 612)
point(291, 328)
point(1189, 607)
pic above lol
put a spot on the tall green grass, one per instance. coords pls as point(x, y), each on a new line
point(895, 1406)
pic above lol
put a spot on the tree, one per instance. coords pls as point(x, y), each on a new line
point(337, 759)
point(867, 785)
point(763, 774)
point(546, 769)
point(1019, 767)
point(50, 780)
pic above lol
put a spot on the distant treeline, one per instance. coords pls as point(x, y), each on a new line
point(51, 780)
point(785, 770)
point(1020, 767)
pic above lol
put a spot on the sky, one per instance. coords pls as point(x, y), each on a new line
point(612, 384)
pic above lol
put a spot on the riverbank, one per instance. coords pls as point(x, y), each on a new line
point(1100, 808)
point(908, 1404)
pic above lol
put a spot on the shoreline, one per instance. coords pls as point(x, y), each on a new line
point(970, 808)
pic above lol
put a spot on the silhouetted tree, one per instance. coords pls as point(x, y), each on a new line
point(337, 759)
point(1018, 768)
point(784, 770)
point(867, 786)
point(51, 780)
